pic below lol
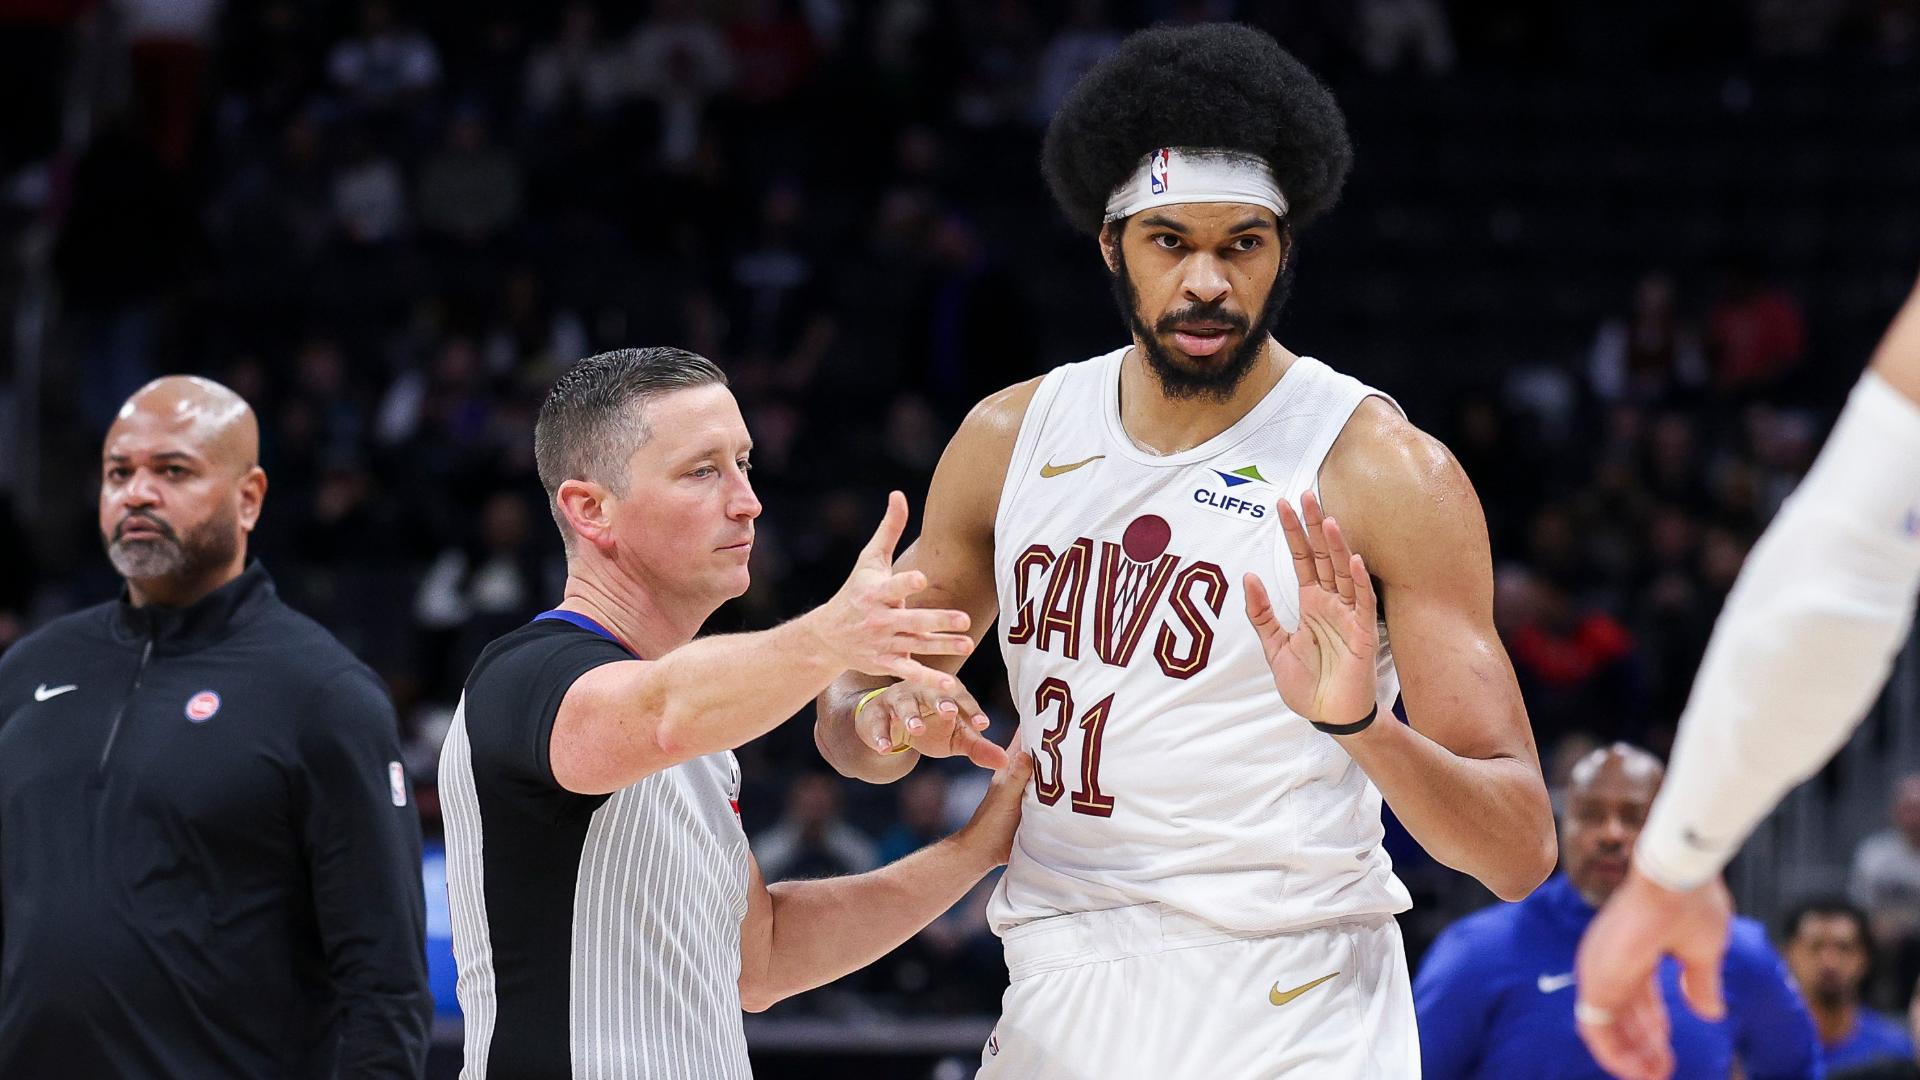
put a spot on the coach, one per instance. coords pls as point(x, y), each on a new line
point(1495, 993)
point(209, 866)
point(608, 917)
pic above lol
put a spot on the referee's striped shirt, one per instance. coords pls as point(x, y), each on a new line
point(597, 936)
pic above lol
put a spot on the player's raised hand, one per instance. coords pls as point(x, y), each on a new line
point(867, 625)
point(937, 723)
point(1324, 668)
point(1619, 1010)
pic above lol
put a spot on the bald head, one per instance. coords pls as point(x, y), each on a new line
point(180, 489)
point(1608, 795)
point(215, 420)
point(1623, 761)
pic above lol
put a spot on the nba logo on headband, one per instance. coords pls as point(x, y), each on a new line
point(1157, 172)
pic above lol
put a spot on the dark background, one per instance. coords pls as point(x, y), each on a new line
point(1624, 258)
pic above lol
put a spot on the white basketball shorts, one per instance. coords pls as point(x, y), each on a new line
point(1148, 993)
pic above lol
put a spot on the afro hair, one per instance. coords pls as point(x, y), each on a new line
point(1216, 86)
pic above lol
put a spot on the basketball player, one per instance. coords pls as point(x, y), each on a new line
point(1804, 644)
point(1197, 886)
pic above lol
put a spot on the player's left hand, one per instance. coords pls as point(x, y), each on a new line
point(1324, 669)
point(1619, 1009)
point(936, 723)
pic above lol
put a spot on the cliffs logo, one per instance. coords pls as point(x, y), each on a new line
point(1242, 494)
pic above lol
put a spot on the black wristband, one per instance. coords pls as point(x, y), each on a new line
point(1354, 728)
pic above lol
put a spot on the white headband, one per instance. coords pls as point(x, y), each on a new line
point(1196, 175)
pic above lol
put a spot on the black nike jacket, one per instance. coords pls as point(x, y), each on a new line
point(209, 856)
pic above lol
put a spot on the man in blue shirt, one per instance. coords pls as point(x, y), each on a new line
point(1829, 948)
point(1495, 995)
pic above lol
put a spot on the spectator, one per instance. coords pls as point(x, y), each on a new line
point(1084, 41)
point(369, 196)
point(1756, 333)
point(1894, 30)
point(1495, 993)
point(1580, 666)
point(470, 188)
point(1885, 880)
point(922, 816)
point(578, 67)
point(1802, 29)
point(1651, 354)
point(167, 46)
point(125, 241)
point(37, 41)
point(1890, 1068)
point(999, 48)
point(1392, 30)
point(961, 316)
point(1830, 949)
point(678, 61)
point(387, 65)
point(473, 593)
point(775, 52)
point(280, 209)
point(811, 839)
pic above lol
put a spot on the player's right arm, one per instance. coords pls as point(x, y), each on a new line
point(955, 552)
point(1809, 632)
point(1802, 647)
point(623, 721)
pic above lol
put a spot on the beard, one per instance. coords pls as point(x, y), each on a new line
point(1827, 994)
point(206, 547)
point(1185, 381)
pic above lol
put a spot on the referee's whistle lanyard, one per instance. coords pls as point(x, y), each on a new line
point(587, 624)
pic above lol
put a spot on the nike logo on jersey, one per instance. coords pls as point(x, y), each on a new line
point(1280, 997)
point(1549, 984)
point(1050, 470)
point(41, 693)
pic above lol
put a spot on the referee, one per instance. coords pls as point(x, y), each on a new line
point(209, 866)
point(608, 918)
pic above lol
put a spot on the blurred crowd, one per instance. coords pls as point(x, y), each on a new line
point(389, 226)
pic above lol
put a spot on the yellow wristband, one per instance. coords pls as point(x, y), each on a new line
point(869, 696)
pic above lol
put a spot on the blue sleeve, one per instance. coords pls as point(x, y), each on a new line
point(1451, 1003)
point(1773, 1035)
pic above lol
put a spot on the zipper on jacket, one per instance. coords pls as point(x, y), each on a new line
point(113, 729)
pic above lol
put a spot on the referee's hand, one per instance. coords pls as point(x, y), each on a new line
point(868, 627)
point(990, 831)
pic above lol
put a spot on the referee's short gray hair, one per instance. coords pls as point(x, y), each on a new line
point(594, 418)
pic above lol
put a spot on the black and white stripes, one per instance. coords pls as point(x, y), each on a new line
point(598, 937)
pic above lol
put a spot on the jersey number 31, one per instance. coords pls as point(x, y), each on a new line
point(1047, 782)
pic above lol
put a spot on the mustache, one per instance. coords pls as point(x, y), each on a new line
point(1212, 311)
point(164, 529)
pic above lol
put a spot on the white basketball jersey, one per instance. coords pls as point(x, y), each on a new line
point(1168, 768)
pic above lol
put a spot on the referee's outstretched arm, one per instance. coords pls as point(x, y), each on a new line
point(624, 721)
point(801, 934)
